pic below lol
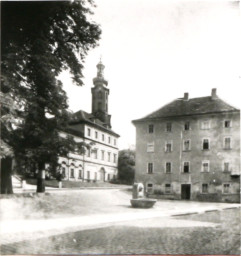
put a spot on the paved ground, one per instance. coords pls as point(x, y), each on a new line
point(151, 236)
point(103, 222)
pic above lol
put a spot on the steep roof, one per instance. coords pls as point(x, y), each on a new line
point(84, 117)
point(185, 107)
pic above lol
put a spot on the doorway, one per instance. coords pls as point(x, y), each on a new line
point(186, 191)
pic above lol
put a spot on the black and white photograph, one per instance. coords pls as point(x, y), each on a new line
point(120, 127)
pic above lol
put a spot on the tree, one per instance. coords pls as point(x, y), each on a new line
point(126, 166)
point(39, 41)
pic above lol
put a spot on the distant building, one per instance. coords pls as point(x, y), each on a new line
point(190, 149)
point(99, 163)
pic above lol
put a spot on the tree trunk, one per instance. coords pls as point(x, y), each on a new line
point(6, 176)
point(41, 179)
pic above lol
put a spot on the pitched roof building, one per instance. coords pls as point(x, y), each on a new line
point(99, 163)
point(190, 149)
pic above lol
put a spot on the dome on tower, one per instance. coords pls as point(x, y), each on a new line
point(99, 79)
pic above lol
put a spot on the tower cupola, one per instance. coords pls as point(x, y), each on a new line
point(99, 79)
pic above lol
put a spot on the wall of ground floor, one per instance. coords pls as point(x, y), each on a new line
point(80, 170)
point(202, 190)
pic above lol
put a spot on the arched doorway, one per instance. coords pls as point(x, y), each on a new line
point(102, 174)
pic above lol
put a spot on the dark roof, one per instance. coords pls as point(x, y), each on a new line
point(73, 131)
point(195, 106)
point(84, 117)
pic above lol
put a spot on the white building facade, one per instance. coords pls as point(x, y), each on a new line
point(98, 164)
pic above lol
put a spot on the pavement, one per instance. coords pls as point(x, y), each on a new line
point(23, 229)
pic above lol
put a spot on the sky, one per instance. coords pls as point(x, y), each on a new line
point(156, 50)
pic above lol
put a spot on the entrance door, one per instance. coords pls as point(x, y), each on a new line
point(186, 191)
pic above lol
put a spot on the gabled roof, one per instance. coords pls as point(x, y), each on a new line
point(186, 107)
point(84, 117)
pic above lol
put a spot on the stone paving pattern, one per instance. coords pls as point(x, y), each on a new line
point(145, 237)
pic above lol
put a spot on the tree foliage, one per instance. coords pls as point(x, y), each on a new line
point(40, 39)
point(126, 166)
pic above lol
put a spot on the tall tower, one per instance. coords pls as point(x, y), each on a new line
point(100, 94)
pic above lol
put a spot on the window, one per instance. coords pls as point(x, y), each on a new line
point(149, 188)
point(102, 155)
point(204, 188)
point(167, 188)
point(89, 132)
point(226, 188)
point(95, 153)
point(186, 145)
point(109, 139)
point(71, 173)
point(168, 167)
point(88, 175)
point(227, 143)
point(96, 135)
point(63, 171)
point(186, 167)
point(151, 128)
point(150, 147)
point(99, 105)
point(108, 156)
point(187, 126)
point(205, 166)
point(106, 107)
point(95, 175)
point(150, 168)
point(205, 125)
point(115, 142)
point(114, 158)
point(108, 177)
point(168, 127)
point(88, 152)
point(205, 144)
point(103, 137)
point(226, 166)
point(168, 147)
point(227, 123)
point(80, 174)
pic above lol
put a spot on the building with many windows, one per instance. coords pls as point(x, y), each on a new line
point(100, 162)
point(190, 149)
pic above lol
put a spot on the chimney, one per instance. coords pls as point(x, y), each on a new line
point(214, 94)
point(185, 96)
